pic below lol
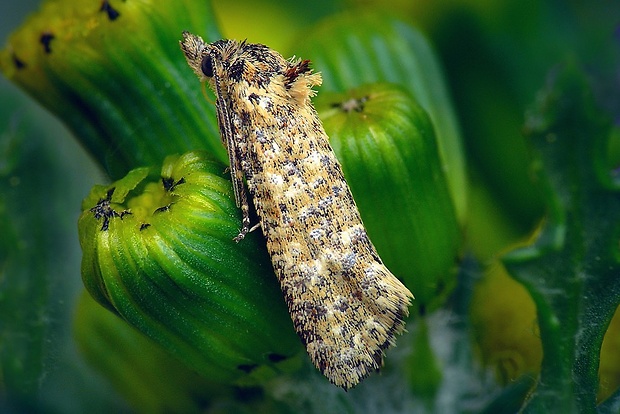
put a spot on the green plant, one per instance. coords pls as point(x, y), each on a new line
point(538, 211)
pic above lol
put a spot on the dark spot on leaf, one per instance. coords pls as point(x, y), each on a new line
point(247, 368)
point(276, 357)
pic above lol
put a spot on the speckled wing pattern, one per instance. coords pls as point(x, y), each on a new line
point(345, 304)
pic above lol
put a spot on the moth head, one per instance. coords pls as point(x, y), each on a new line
point(196, 52)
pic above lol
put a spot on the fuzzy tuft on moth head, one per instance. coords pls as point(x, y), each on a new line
point(299, 80)
point(253, 63)
point(195, 51)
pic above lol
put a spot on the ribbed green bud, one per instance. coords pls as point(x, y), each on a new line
point(113, 72)
point(158, 249)
point(353, 49)
point(386, 144)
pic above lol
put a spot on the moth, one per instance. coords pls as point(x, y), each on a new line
point(346, 306)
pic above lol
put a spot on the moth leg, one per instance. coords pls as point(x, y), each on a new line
point(234, 158)
point(245, 229)
point(245, 211)
point(245, 221)
point(242, 201)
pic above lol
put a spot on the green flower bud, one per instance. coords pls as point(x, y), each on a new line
point(361, 48)
point(159, 251)
point(113, 72)
point(387, 147)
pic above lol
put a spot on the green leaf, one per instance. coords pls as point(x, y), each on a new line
point(43, 176)
point(511, 398)
point(572, 268)
point(24, 261)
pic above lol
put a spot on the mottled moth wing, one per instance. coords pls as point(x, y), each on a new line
point(345, 304)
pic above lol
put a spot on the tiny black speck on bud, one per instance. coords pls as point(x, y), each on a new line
point(46, 40)
point(163, 209)
point(169, 183)
point(113, 14)
point(103, 210)
point(19, 64)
